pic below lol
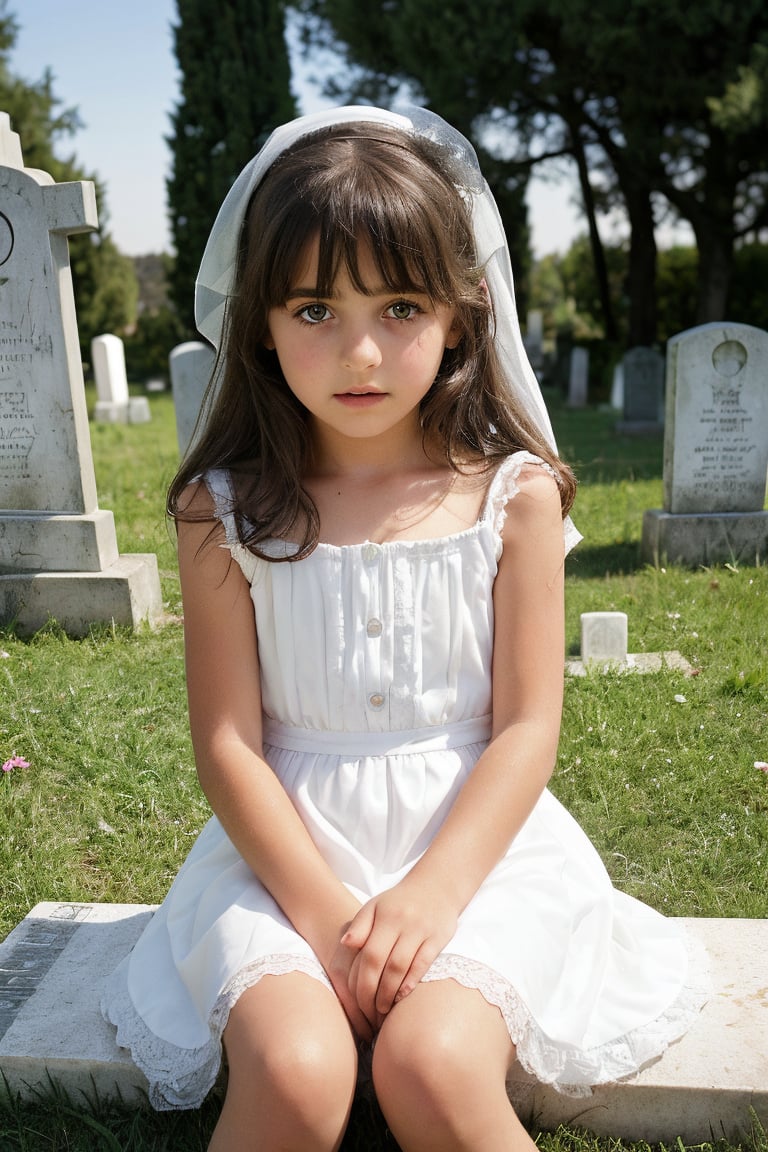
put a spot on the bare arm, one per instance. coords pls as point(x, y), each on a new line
point(223, 687)
point(398, 935)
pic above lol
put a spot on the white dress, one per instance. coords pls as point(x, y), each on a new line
point(375, 664)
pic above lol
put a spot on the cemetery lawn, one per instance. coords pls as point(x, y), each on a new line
point(660, 769)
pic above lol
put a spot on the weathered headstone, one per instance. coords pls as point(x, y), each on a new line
point(114, 405)
point(191, 365)
point(604, 637)
point(617, 388)
point(534, 339)
point(58, 549)
point(643, 407)
point(578, 379)
point(604, 648)
point(715, 449)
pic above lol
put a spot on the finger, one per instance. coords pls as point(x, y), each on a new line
point(360, 928)
point(361, 1025)
point(422, 961)
point(398, 966)
point(364, 975)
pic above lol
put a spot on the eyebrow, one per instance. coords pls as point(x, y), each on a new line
point(299, 293)
point(303, 293)
point(378, 290)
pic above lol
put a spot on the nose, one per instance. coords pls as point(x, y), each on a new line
point(361, 350)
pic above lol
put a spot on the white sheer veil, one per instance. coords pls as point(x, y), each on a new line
point(215, 281)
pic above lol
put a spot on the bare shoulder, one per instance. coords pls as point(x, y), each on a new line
point(535, 512)
point(535, 486)
point(537, 482)
point(196, 502)
point(201, 536)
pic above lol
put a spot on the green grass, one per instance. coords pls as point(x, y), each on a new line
point(665, 787)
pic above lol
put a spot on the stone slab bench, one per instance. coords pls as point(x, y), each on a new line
point(53, 964)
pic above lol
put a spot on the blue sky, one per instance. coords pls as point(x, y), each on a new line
point(114, 61)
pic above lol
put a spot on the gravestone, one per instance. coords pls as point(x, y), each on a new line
point(114, 405)
point(604, 649)
point(604, 637)
point(715, 450)
point(534, 339)
point(58, 549)
point(191, 365)
point(578, 379)
point(643, 395)
point(617, 387)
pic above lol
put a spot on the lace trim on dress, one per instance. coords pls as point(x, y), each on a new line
point(183, 1077)
point(504, 487)
point(573, 1071)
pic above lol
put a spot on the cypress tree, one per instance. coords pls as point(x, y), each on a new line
point(235, 88)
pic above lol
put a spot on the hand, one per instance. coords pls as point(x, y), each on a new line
point(392, 941)
point(338, 969)
point(337, 959)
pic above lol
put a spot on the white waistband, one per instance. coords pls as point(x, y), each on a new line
point(435, 738)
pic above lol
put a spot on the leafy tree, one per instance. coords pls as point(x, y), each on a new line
point(651, 98)
point(104, 281)
point(676, 281)
point(749, 294)
point(106, 288)
point(148, 347)
point(423, 51)
point(235, 88)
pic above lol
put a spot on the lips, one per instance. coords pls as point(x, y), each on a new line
point(359, 399)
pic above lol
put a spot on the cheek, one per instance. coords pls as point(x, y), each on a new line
point(426, 353)
point(299, 365)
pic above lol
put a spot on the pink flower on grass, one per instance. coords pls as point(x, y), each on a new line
point(761, 764)
point(15, 762)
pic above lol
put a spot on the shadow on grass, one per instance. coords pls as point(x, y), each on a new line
point(56, 1120)
point(593, 561)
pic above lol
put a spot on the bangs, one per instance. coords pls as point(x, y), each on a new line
point(408, 225)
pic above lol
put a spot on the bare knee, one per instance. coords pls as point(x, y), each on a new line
point(292, 1070)
point(410, 1061)
point(439, 1071)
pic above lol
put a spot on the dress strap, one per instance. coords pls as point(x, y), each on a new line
point(504, 487)
point(219, 483)
point(433, 738)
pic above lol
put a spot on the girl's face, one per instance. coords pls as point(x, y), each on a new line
point(360, 364)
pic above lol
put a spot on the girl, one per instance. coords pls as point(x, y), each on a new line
point(372, 529)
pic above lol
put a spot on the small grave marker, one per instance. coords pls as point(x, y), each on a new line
point(604, 646)
point(578, 379)
point(114, 405)
point(191, 365)
point(643, 392)
point(604, 637)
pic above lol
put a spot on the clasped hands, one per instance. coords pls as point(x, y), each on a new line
point(386, 949)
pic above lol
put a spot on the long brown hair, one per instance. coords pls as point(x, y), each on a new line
point(350, 185)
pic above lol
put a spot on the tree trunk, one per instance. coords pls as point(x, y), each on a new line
point(714, 276)
point(641, 273)
point(598, 254)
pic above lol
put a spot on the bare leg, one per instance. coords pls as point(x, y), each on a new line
point(292, 1069)
point(439, 1067)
